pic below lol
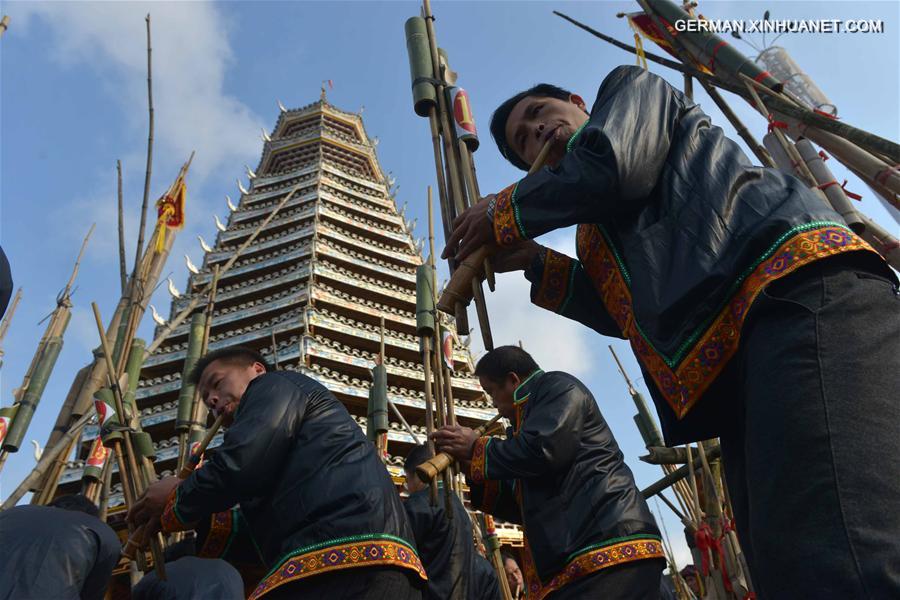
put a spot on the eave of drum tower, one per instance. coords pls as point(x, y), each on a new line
point(311, 289)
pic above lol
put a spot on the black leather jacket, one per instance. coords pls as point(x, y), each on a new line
point(677, 233)
point(560, 474)
point(307, 480)
point(445, 545)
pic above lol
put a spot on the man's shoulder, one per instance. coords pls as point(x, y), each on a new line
point(624, 77)
point(560, 381)
point(285, 381)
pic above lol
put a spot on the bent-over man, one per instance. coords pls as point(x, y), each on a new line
point(320, 504)
point(559, 473)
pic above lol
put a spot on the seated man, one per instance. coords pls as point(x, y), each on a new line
point(513, 575)
point(57, 551)
point(320, 504)
point(559, 472)
point(192, 578)
point(444, 541)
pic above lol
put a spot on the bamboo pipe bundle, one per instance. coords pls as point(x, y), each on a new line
point(458, 289)
point(135, 541)
point(430, 469)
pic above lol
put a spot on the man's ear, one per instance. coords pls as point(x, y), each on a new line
point(259, 368)
point(578, 101)
point(514, 379)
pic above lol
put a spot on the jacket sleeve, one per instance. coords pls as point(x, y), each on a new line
point(547, 441)
point(250, 458)
point(611, 165)
point(560, 284)
point(108, 551)
point(496, 498)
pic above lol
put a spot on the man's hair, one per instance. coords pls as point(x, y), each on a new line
point(236, 355)
point(416, 457)
point(501, 116)
point(76, 502)
point(496, 364)
point(507, 555)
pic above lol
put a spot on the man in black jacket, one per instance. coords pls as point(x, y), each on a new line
point(757, 316)
point(320, 505)
point(445, 542)
point(58, 551)
point(559, 472)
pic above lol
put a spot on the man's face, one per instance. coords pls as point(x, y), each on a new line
point(513, 574)
point(501, 393)
point(693, 583)
point(536, 119)
point(223, 383)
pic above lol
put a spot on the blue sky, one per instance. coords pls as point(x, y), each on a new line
point(73, 100)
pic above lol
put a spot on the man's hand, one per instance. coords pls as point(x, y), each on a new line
point(515, 258)
point(471, 230)
point(455, 440)
point(149, 508)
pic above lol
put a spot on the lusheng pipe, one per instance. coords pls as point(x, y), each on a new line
point(459, 288)
point(432, 467)
point(136, 541)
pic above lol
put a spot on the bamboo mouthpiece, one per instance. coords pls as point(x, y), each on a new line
point(194, 458)
point(459, 288)
point(436, 465)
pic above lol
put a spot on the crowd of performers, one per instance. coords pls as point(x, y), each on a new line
point(756, 315)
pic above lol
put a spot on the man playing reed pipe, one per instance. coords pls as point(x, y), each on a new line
point(444, 541)
point(320, 504)
point(560, 474)
point(756, 314)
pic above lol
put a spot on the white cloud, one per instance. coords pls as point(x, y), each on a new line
point(190, 56)
point(192, 112)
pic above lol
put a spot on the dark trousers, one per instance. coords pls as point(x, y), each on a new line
point(812, 455)
point(638, 580)
point(361, 583)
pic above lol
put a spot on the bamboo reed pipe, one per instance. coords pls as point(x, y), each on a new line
point(459, 288)
point(430, 469)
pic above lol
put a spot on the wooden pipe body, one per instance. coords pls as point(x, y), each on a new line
point(436, 465)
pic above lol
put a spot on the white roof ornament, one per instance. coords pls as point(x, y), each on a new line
point(231, 205)
point(265, 136)
point(156, 316)
point(219, 224)
point(38, 451)
point(242, 188)
point(281, 106)
point(203, 244)
point(191, 267)
point(250, 172)
point(172, 289)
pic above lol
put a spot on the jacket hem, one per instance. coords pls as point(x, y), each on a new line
point(367, 551)
point(223, 527)
point(556, 282)
point(592, 559)
point(683, 385)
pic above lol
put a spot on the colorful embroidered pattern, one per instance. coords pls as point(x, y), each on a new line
point(170, 520)
point(222, 529)
point(555, 283)
point(590, 560)
point(683, 379)
point(478, 469)
point(506, 227)
point(366, 551)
